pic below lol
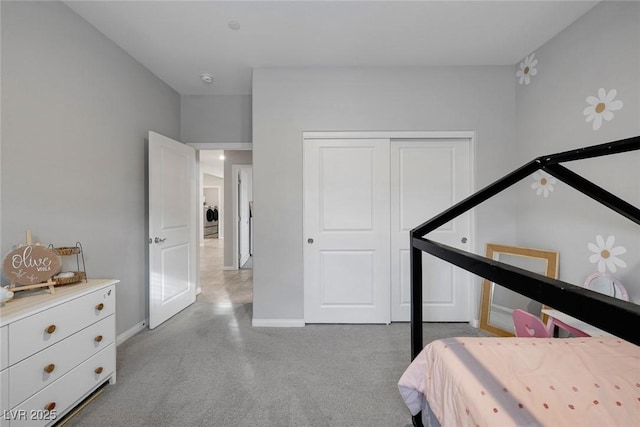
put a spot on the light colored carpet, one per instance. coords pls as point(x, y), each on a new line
point(208, 367)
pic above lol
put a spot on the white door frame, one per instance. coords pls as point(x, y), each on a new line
point(470, 135)
point(235, 170)
point(240, 146)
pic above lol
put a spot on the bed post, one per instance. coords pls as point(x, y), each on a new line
point(416, 299)
point(416, 309)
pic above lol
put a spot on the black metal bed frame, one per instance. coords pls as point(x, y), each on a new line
point(618, 317)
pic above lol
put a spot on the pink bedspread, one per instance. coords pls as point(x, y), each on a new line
point(527, 382)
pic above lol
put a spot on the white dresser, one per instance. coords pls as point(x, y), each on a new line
point(55, 349)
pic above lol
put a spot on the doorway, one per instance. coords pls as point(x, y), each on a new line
point(363, 193)
point(212, 218)
point(233, 163)
point(219, 281)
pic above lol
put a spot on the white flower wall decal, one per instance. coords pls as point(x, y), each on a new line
point(543, 183)
point(527, 69)
point(601, 107)
point(606, 255)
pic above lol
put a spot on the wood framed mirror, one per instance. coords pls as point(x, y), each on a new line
point(497, 302)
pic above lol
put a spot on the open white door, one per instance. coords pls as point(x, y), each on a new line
point(172, 227)
point(244, 182)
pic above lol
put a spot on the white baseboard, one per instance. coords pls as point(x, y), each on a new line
point(131, 332)
point(228, 267)
point(277, 323)
point(475, 323)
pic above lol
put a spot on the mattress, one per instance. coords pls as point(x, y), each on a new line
point(526, 382)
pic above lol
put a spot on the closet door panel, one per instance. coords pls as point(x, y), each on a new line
point(427, 177)
point(346, 231)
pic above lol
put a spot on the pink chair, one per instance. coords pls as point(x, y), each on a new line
point(529, 326)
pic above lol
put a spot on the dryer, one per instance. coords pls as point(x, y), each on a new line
point(210, 221)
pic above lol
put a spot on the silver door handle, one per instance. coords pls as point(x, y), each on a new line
point(159, 240)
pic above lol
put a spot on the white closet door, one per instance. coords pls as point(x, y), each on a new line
point(346, 231)
point(427, 177)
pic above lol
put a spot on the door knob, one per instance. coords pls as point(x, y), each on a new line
point(309, 241)
point(159, 240)
point(463, 240)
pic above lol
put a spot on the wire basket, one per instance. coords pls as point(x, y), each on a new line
point(67, 250)
point(78, 276)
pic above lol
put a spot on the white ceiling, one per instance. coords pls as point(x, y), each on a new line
point(179, 40)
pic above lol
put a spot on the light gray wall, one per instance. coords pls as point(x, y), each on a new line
point(232, 157)
point(212, 180)
point(76, 112)
point(600, 50)
point(216, 118)
point(287, 102)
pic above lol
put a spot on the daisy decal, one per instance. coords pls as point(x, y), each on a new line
point(543, 183)
point(606, 255)
point(601, 107)
point(527, 69)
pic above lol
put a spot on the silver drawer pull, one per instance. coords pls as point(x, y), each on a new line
point(49, 368)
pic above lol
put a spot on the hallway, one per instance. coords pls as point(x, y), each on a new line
point(219, 285)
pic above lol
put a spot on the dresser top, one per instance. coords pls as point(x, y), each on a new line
point(26, 303)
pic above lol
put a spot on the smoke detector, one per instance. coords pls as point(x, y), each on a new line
point(234, 25)
point(207, 78)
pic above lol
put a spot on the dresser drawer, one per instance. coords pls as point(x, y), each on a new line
point(4, 397)
point(34, 333)
point(66, 391)
point(43, 368)
point(4, 347)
